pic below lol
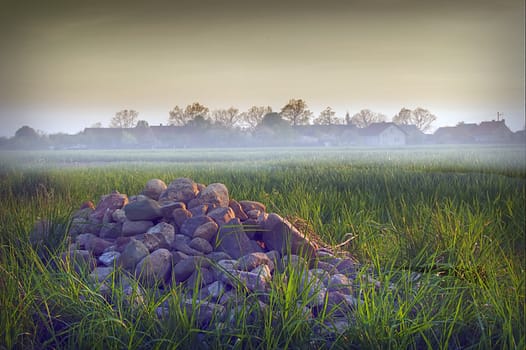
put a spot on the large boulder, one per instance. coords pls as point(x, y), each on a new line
point(146, 209)
point(134, 252)
point(191, 224)
point(280, 235)
point(215, 194)
point(179, 190)
point(108, 204)
point(154, 188)
point(232, 239)
point(155, 268)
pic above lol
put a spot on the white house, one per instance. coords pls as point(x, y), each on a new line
point(383, 134)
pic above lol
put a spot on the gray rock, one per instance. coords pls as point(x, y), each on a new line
point(101, 274)
point(191, 224)
point(111, 229)
point(238, 210)
point(216, 194)
point(340, 283)
point(280, 235)
point(134, 252)
point(222, 215)
point(340, 304)
point(181, 243)
point(154, 188)
point(168, 208)
point(243, 279)
point(251, 261)
point(200, 278)
point(154, 269)
point(119, 215)
point(248, 206)
point(109, 203)
point(97, 245)
point(132, 228)
point(177, 256)
point(79, 260)
point(78, 226)
point(183, 269)
point(154, 242)
point(264, 271)
point(109, 258)
point(216, 256)
point(231, 239)
point(201, 245)
point(83, 239)
point(199, 210)
point(179, 190)
point(215, 289)
point(146, 209)
point(180, 215)
point(164, 231)
point(206, 231)
point(205, 312)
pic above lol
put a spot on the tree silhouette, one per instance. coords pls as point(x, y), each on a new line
point(327, 117)
point(254, 115)
point(226, 117)
point(420, 117)
point(366, 117)
point(296, 112)
point(127, 118)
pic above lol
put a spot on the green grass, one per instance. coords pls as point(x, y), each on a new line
point(455, 219)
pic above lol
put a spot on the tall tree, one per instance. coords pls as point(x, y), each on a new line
point(254, 115)
point(347, 118)
point(366, 117)
point(296, 112)
point(420, 117)
point(226, 117)
point(127, 118)
point(177, 117)
point(196, 109)
point(327, 117)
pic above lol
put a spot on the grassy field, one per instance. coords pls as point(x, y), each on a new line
point(455, 216)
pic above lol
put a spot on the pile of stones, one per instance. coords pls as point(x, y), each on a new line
point(197, 238)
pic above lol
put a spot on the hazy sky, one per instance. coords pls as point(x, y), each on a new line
point(65, 65)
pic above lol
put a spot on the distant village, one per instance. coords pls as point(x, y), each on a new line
point(271, 130)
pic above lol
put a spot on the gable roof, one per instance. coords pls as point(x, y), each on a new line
point(376, 129)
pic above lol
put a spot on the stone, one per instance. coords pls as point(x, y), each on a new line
point(179, 190)
point(243, 279)
point(84, 211)
point(134, 252)
point(340, 304)
point(153, 242)
point(180, 215)
point(168, 208)
point(207, 231)
point(217, 256)
point(248, 206)
point(164, 231)
point(215, 193)
point(154, 188)
point(201, 244)
point(181, 243)
point(191, 224)
point(83, 239)
point(264, 271)
point(132, 228)
point(109, 203)
point(77, 227)
point(231, 239)
point(79, 260)
point(109, 258)
point(40, 232)
point(205, 312)
point(340, 283)
point(280, 235)
point(215, 289)
point(143, 210)
point(155, 268)
point(198, 210)
point(238, 210)
point(200, 278)
point(111, 230)
point(97, 245)
point(183, 269)
point(101, 274)
point(222, 215)
point(251, 261)
point(119, 215)
point(177, 256)
point(347, 266)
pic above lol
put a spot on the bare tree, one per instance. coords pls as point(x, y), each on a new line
point(177, 117)
point(96, 125)
point(127, 118)
point(327, 117)
point(347, 118)
point(226, 117)
point(196, 109)
point(254, 115)
point(366, 117)
point(420, 117)
point(296, 112)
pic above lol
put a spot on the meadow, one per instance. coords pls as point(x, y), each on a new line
point(453, 216)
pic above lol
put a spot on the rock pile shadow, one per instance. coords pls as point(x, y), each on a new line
point(194, 237)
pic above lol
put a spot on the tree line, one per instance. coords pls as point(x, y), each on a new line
point(295, 112)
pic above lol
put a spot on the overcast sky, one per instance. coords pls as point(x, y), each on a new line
point(65, 65)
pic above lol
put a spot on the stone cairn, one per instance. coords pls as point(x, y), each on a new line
point(196, 236)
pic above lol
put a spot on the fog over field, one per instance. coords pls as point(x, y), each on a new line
point(68, 65)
